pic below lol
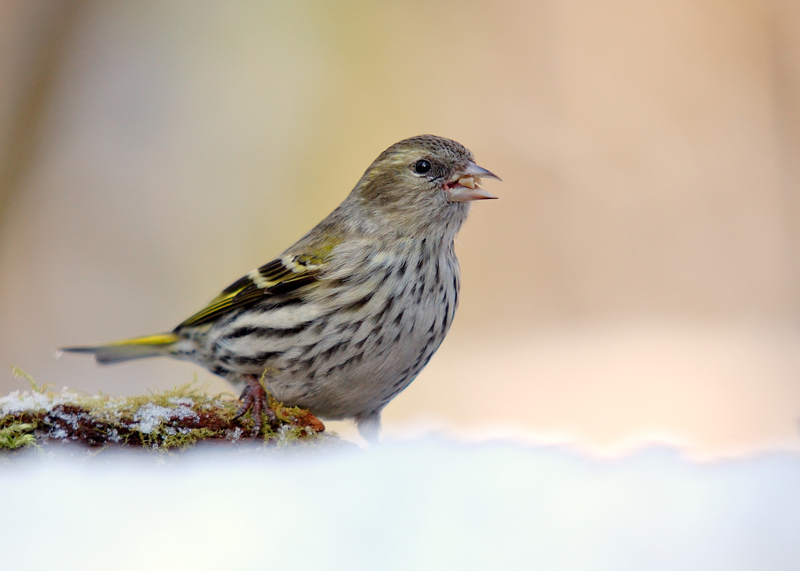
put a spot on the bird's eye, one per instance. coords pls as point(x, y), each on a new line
point(421, 167)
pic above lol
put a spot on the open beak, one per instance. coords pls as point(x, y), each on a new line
point(464, 186)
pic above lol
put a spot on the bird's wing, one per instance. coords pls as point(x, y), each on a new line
point(278, 277)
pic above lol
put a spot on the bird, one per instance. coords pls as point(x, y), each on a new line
point(346, 318)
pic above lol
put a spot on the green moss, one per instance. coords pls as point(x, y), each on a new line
point(20, 374)
point(172, 438)
point(174, 419)
point(17, 436)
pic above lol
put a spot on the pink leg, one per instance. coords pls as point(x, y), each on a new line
point(255, 397)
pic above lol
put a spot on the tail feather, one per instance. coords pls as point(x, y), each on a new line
point(128, 349)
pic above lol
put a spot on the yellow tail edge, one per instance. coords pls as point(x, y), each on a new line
point(160, 339)
point(128, 349)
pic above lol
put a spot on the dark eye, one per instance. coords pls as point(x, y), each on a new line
point(421, 167)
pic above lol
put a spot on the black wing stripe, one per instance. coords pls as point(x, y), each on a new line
point(249, 295)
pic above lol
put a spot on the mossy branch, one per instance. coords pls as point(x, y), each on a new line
point(161, 420)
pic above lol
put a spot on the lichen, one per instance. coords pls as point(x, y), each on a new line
point(174, 419)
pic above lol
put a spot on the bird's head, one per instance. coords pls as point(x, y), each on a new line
point(421, 181)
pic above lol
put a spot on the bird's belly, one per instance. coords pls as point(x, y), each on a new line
point(359, 374)
point(344, 352)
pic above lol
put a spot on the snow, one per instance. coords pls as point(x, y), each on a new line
point(20, 401)
point(45, 401)
point(422, 504)
point(149, 416)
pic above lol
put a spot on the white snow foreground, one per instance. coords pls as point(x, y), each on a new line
point(425, 504)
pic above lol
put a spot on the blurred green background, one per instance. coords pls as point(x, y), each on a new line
point(639, 278)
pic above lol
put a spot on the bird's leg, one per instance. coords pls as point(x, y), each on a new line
point(369, 426)
point(255, 397)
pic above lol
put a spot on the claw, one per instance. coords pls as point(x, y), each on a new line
point(255, 397)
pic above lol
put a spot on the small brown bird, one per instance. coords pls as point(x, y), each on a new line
point(348, 316)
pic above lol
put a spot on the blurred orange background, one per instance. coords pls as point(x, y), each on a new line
point(639, 278)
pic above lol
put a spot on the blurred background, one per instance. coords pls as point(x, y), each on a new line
point(638, 280)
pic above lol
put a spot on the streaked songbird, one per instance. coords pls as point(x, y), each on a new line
point(348, 316)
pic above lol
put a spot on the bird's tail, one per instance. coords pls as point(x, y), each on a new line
point(127, 349)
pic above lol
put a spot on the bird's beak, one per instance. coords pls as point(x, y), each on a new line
point(464, 186)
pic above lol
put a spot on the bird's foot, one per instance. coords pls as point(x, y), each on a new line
point(255, 397)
